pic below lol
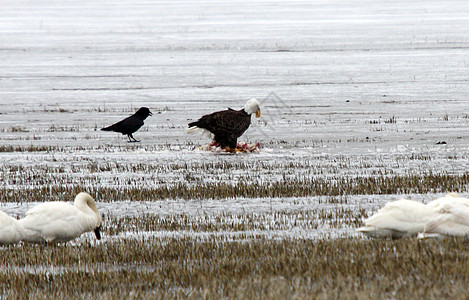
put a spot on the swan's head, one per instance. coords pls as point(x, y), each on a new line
point(84, 200)
point(253, 106)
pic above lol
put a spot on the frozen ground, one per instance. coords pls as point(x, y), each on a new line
point(348, 88)
point(238, 219)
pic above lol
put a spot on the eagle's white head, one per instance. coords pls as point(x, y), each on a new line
point(253, 106)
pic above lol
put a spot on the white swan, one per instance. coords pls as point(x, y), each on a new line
point(451, 217)
point(451, 198)
point(10, 231)
point(60, 221)
point(397, 219)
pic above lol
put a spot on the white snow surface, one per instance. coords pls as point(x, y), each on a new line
point(369, 82)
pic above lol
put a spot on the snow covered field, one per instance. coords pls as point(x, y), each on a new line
point(362, 102)
point(348, 89)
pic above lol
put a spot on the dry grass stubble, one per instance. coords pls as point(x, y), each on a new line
point(249, 266)
point(182, 268)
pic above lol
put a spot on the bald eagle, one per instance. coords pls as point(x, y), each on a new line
point(227, 125)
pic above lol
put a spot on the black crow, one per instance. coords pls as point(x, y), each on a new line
point(130, 124)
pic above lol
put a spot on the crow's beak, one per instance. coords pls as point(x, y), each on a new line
point(150, 113)
point(97, 232)
point(258, 113)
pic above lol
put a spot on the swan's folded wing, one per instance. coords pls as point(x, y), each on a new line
point(449, 199)
point(398, 219)
point(9, 229)
point(52, 221)
point(52, 209)
point(451, 219)
point(401, 214)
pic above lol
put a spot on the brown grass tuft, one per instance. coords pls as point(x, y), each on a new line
point(263, 268)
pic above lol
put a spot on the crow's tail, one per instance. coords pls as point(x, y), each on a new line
point(107, 128)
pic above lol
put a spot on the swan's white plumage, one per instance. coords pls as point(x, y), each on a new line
point(449, 199)
point(401, 218)
point(445, 216)
point(10, 231)
point(451, 217)
point(60, 221)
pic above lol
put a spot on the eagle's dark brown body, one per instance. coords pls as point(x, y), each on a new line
point(227, 126)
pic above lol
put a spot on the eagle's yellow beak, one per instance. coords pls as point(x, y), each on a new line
point(258, 113)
